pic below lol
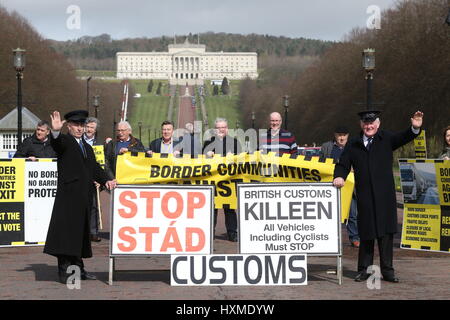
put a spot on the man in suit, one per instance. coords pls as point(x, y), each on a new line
point(68, 232)
point(221, 143)
point(90, 136)
point(371, 155)
point(166, 144)
point(123, 143)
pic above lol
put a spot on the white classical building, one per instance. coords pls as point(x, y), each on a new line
point(187, 62)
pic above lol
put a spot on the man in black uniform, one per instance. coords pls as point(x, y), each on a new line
point(371, 155)
point(221, 143)
point(68, 233)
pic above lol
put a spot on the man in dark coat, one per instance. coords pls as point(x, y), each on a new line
point(123, 143)
point(221, 143)
point(68, 232)
point(333, 149)
point(38, 145)
point(371, 156)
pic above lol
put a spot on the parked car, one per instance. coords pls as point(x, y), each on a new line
point(309, 151)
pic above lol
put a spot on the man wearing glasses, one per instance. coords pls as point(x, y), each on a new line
point(123, 143)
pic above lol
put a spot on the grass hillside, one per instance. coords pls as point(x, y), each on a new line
point(150, 109)
point(223, 106)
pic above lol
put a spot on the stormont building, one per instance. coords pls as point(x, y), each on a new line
point(187, 62)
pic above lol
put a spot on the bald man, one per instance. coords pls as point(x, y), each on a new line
point(277, 139)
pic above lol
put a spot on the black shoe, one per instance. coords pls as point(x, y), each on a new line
point(393, 279)
point(95, 238)
point(362, 276)
point(63, 278)
point(232, 236)
point(87, 276)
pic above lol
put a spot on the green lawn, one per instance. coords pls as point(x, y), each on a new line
point(223, 107)
point(149, 109)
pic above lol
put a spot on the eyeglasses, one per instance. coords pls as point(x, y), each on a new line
point(122, 130)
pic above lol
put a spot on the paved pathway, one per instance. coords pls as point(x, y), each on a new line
point(186, 113)
point(27, 273)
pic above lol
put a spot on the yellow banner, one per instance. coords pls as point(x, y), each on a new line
point(12, 180)
point(420, 146)
point(99, 154)
point(225, 172)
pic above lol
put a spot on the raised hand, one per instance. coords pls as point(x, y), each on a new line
point(57, 124)
point(417, 119)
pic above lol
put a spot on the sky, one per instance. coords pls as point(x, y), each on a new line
point(315, 19)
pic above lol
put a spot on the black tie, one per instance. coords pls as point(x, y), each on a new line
point(82, 148)
point(369, 143)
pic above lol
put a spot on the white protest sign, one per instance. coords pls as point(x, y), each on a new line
point(289, 218)
point(41, 181)
point(238, 270)
point(156, 219)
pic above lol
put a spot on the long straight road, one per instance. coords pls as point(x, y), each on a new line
point(186, 110)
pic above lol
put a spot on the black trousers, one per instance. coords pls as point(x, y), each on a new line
point(65, 261)
point(385, 247)
point(230, 219)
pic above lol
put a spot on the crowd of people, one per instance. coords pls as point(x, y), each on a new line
point(75, 220)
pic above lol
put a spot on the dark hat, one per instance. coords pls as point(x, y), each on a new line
point(369, 115)
point(341, 129)
point(76, 116)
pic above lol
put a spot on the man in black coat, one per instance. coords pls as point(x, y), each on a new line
point(38, 145)
point(221, 143)
point(371, 156)
point(68, 232)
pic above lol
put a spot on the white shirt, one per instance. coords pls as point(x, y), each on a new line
point(89, 141)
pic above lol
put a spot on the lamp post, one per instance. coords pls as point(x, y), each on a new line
point(286, 108)
point(19, 66)
point(96, 104)
point(369, 66)
point(140, 130)
point(253, 119)
point(87, 92)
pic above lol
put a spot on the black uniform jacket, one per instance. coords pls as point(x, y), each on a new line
point(68, 232)
point(374, 180)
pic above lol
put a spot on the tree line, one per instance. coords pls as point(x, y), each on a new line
point(412, 72)
point(49, 82)
point(98, 52)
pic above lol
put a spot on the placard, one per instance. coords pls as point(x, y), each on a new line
point(161, 220)
point(238, 270)
point(289, 218)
